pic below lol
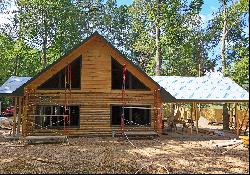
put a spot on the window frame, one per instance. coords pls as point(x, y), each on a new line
point(130, 117)
point(56, 127)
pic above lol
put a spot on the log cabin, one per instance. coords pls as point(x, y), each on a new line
point(85, 93)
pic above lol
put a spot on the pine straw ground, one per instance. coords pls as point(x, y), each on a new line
point(173, 153)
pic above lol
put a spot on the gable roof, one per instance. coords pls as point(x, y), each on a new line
point(213, 88)
point(166, 96)
point(12, 84)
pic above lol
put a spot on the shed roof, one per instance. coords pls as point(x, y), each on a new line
point(12, 84)
point(212, 87)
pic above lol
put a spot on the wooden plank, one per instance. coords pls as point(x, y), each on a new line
point(191, 131)
point(14, 116)
point(24, 117)
point(19, 114)
point(45, 139)
point(228, 143)
point(237, 121)
point(196, 118)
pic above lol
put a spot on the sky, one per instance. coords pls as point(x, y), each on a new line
point(207, 8)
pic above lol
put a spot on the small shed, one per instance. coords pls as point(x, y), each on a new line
point(10, 89)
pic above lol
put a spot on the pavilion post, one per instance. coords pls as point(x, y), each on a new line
point(24, 116)
point(14, 116)
point(19, 114)
point(191, 131)
point(237, 120)
point(197, 118)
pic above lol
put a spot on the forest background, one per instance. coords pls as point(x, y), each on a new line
point(163, 37)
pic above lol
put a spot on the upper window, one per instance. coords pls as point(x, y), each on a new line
point(57, 81)
point(131, 81)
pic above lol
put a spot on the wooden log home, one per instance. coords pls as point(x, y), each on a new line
point(81, 94)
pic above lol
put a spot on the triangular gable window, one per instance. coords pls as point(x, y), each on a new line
point(57, 81)
point(131, 81)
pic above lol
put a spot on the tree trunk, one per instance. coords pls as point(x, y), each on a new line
point(45, 38)
point(225, 117)
point(223, 38)
point(158, 53)
point(223, 62)
point(16, 66)
point(223, 42)
point(157, 42)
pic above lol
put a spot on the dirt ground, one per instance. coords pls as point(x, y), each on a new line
point(172, 153)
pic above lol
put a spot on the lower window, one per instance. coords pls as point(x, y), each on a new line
point(133, 115)
point(52, 116)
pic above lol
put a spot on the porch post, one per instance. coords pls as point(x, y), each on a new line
point(237, 120)
point(19, 114)
point(14, 116)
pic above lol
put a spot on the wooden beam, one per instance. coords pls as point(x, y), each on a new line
point(191, 118)
point(196, 117)
point(14, 116)
point(19, 114)
point(231, 115)
point(25, 108)
point(237, 120)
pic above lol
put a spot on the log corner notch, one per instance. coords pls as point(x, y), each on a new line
point(25, 112)
point(158, 112)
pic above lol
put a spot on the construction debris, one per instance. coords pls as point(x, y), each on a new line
point(228, 143)
point(6, 123)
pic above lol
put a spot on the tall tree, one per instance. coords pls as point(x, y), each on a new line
point(227, 29)
point(51, 26)
point(169, 39)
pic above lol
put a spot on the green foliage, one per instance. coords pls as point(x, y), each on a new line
point(16, 58)
point(181, 40)
point(51, 28)
point(240, 72)
point(236, 37)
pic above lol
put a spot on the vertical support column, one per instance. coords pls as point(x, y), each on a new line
point(171, 119)
point(25, 110)
point(237, 120)
point(19, 114)
point(124, 69)
point(191, 112)
point(159, 112)
point(196, 117)
point(231, 115)
point(14, 116)
point(155, 110)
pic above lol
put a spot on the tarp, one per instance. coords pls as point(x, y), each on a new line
point(211, 87)
point(12, 84)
